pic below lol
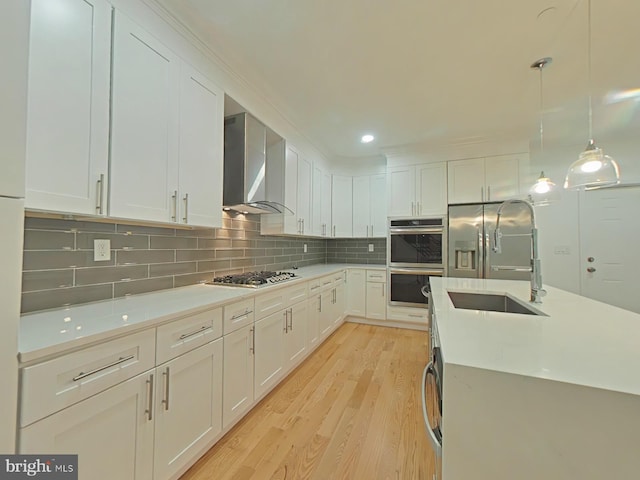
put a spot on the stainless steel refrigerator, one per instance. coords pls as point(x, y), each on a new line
point(471, 238)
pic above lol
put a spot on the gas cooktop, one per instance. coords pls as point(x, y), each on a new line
point(253, 279)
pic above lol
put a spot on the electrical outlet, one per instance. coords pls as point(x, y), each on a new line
point(371, 247)
point(304, 248)
point(101, 250)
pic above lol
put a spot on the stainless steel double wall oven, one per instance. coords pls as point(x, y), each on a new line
point(416, 251)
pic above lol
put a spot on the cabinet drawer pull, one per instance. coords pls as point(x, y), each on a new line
point(82, 375)
point(149, 410)
point(165, 400)
point(236, 317)
point(200, 330)
point(415, 316)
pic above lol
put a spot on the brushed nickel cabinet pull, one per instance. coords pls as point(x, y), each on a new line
point(185, 219)
point(100, 195)
point(252, 347)
point(247, 312)
point(174, 198)
point(149, 410)
point(165, 400)
point(200, 330)
point(82, 375)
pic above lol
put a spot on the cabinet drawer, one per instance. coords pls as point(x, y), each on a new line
point(408, 314)
point(53, 385)
point(338, 277)
point(326, 282)
point(271, 302)
point(376, 276)
point(237, 315)
point(297, 293)
point(183, 335)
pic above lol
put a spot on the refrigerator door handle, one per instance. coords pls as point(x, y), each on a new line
point(480, 252)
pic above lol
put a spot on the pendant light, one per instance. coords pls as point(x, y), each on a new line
point(593, 169)
point(544, 190)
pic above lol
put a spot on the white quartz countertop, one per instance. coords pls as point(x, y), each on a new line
point(580, 341)
point(52, 332)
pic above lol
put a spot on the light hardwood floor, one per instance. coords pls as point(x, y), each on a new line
point(351, 411)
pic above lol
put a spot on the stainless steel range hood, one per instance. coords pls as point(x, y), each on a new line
point(246, 155)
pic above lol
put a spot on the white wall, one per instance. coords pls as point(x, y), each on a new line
point(14, 48)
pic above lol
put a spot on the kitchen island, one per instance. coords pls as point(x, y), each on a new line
point(555, 395)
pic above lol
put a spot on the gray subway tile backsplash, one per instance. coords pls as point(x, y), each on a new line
point(59, 270)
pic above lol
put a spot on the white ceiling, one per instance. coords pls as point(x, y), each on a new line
point(427, 72)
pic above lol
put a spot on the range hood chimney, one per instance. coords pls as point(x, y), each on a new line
point(245, 165)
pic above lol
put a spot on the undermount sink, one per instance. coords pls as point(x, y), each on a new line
point(491, 302)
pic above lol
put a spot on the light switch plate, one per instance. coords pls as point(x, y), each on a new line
point(371, 247)
point(101, 250)
point(304, 248)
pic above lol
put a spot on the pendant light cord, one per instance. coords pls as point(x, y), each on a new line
point(541, 114)
point(589, 70)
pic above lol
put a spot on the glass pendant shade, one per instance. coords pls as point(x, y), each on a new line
point(543, 192)
point(593, 169)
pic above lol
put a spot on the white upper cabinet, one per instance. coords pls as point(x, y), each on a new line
point(485, 179)
point(321, 203)
point(297, 197)
point(304, 195)
point(369, 206)
point(68, 106)
point(167, 129)
point(145, 116)
point(341, 206)
point(417, 190)
point(431, 189)
point(201, 150)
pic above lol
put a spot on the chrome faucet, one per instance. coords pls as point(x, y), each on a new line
point(537, 292)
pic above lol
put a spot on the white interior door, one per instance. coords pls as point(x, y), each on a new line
point(609, 228)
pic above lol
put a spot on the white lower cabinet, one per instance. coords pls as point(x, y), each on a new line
point(237, 388)
point(188, 407)
point(111, 432)
point(296, 334)
point(376, 301)
point(356, 292)
point(376, 295)
point(313, 319)
point(269, 351)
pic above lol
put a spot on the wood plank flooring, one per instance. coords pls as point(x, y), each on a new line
point(352, 410)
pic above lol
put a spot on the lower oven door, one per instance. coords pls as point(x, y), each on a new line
point(408, 285)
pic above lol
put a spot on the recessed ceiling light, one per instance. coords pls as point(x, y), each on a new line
point(367, 138)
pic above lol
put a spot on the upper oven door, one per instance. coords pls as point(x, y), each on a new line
point(416, 247)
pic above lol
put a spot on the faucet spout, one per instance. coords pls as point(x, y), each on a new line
point(537, 292)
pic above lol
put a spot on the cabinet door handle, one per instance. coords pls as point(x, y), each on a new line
point(252, 347)
point(247, 312)
point(334, 230)
point(174, 198)
point(482, 194)
point(413, 208)
point(82, 375)
point(200, 330)
point(149, 410)
point(489, 193)
point(372, 229)
point(291, 319)
point(286, 321)
point(100, 194)
point(302, 226)
point(185, 219)
point(165, 400)
point(418, 208)
point(367, 231)
point(320, 303)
